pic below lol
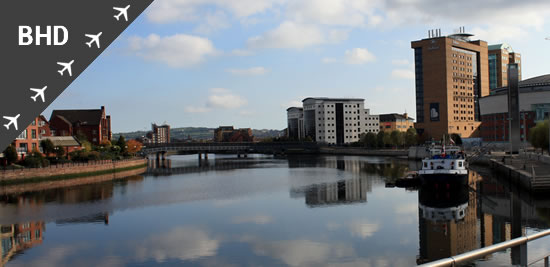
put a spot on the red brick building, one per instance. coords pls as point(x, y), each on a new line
point(229, 134)
point(92, 123)
point(43, 127)
point(28, 140)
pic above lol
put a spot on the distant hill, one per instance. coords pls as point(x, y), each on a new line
point(198, 133)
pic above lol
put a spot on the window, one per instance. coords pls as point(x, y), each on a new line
point(23, 135)
point(33, 134)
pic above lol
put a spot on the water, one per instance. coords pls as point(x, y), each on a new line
point(265, 211)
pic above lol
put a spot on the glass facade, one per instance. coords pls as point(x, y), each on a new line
point(419, 84)
point(493, 78)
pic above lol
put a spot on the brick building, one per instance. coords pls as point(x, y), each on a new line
point(230, 134)
point(28, 140)
point(94, 124)
point(534, 105)
point(451, 75)
point(43, 127)
point(394, 121)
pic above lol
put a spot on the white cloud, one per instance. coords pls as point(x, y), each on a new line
point(400, 62)
point(242, 52)
point(193, 109)
point(183, 243)
point(292, 103)
point(249, 71)
point(302, 252)
point(256, 219)
point(499, 33)
point(332, 12)
point(359, 56)
point(169, 11)
point(213, 22)
point(329, 60)
point(223, 98)
point(288, 35)
point(403, 74)
point(363, 229)
point(178, 50)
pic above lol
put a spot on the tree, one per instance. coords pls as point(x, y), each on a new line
point(386, 139)
point(134, 146)
point(538, 135)
point(86, 145)
point(59, 151)
point(47, 146)
point(411, 137)
point(122, 144)
point(396, 138)
point(380, 139)
point(10, 154)
point(456, 138)
point(370, 140)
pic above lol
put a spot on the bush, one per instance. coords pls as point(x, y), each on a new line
point(10, 153)
point(35, 160)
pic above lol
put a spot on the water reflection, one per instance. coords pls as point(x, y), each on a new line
point(264, 211)
point(17, 238)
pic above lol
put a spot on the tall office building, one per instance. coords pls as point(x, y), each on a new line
point(295, 118)
point(451, 75)
point(337, 120)
point(500, 55)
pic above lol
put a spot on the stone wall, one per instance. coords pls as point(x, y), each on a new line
point(67, 169)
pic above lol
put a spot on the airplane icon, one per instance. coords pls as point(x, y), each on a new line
point(39, 93)
point(95, 39)
point(123, 11)
point(13, 120)
point(66, 67)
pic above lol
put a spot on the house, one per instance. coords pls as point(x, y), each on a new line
point(93, 124)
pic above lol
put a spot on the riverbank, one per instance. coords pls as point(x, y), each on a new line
point(359, 151)
point(68, 171)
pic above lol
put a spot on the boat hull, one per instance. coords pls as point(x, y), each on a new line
point(445, 178)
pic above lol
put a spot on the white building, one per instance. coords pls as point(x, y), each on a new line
point(334, 120)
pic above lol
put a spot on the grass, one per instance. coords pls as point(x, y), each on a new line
point(67, 176)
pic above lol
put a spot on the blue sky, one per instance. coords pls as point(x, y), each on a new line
point(243, 62)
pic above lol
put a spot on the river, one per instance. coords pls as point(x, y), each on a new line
point(268, 211)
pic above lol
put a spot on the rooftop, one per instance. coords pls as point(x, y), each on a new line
point(539, 83)
point(393, 116)
point(333, 99)
point(501, 47)
point(83, 116)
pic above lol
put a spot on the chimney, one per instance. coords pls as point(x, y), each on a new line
point(406, 116)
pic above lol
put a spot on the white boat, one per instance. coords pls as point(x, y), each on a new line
point(445, 163)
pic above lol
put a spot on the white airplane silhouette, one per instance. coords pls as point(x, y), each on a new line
point(123, 11)
point(39, 93)
point(13, 120)
point(66, 67)
point(95, 39)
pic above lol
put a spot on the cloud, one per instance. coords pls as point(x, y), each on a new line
point(213, 22)
point(193, 109)
point(359, 56)
point(363, 229)
point(183, 243)
point(223, 98)
point(355, 13)
point(178, 50)
point(302, 252)
point(400, 62)
point(170, 11)
point(292, 103)
point(242, 52)
point(329, 60)
point(249, 71)
point(288, 35)
point(256, 219)
point(403, 74)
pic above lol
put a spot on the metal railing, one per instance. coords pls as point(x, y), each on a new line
point(482, 252)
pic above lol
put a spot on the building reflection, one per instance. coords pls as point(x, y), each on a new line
point(447, 218)
point(17, 238)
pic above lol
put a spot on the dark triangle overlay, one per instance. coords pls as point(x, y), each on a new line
point(23, 67)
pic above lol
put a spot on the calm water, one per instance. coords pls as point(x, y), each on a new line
point(265, 211)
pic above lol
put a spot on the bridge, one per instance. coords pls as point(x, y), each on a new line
point(229, 148)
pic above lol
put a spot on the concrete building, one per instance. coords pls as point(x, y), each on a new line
point(230, 134)
point(394, 121)
point(160, 134)
point(295, 118)
point(94, 124)
point(500, 55)
point(534, 105)
point(334, 120)
point(451, 75)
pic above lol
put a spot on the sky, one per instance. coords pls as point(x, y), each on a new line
point(206, 63)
